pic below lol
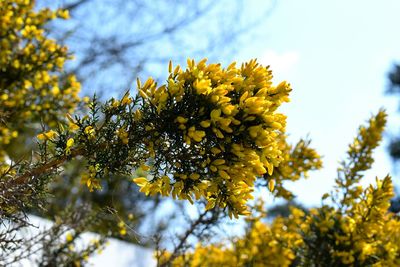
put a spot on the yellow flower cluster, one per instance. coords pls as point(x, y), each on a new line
point(89, 178)
point(31, 90)
point(49, 135)
point(297, 161)
point(227, 128)
point(262, 245)
point(365, 234)
point(369, 237)
point(360, 158)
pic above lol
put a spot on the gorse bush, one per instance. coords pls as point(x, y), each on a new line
point(209, 134)
point(33, 87)
point(34, 91)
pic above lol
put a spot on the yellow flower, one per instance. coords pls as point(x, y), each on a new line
point(70, 143)
point(145, 167)
point(90, 181)
point(140, 181)
point(143, 94)
point(126, 100)
point(73, 127)
point(55, 91)
point(122, 228)
point(47, 135)
point(203, 86)
point(181, 119)
point(138, 115)
point(90, 131)
point(194, 176)
point(69, 237)
point(271, 185)
point(63, 13)
point(123, 135)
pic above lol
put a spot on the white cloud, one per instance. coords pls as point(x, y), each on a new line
point(281, 63)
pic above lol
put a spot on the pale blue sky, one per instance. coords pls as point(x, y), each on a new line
point(336, 55)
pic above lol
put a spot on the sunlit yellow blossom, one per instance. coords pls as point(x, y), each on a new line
point(89, 130)
point(208, 104)
point(47, 135)
point(123, 135)
point(70, 143)
point(36, 95)
point(271, 185)
point(63, 14)
point(90, 181)
point(69, 237)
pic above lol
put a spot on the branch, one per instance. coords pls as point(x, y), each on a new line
point(73, 6)
point(182, 240)
point(45, 167)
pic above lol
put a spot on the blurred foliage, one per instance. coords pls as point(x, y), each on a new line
point(394, 142)
point(394, 88)
point(35, 92)
point(117, 41)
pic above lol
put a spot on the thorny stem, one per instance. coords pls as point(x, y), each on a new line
point(183, 239)
point(47, 166)
point(52, 164)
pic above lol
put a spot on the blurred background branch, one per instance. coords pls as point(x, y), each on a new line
point(117, 41)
